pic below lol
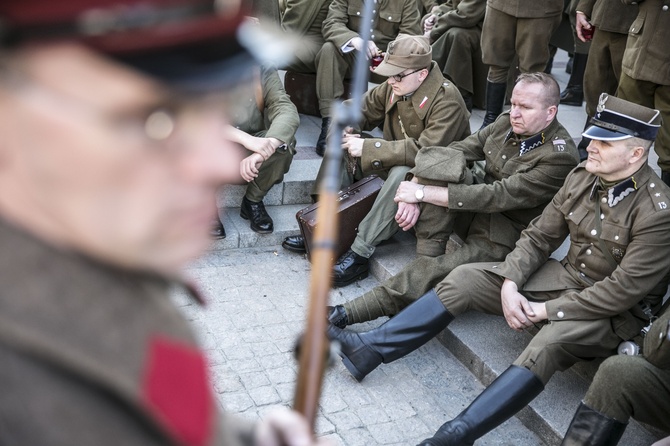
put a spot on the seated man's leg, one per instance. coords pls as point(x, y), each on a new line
point(433, 229)
point(378, 225)
point(271, 172)
point(454, 52)
point(305, 54)
point(424, 273)
point(471, 287)
point(557, 346)
point(331, 68)
point(624, 386)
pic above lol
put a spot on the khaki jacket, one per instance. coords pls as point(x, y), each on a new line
point(390, 18)
point(458, 14)
point(434, 115)
point(95, 355)
point(647, 57)
point(279, 118)
point(635, 221)
point(517, 186)
point(607, 15)
point(528, 9)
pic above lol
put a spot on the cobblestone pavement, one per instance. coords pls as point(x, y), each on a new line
point(256, 309)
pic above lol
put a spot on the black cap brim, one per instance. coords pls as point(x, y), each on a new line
point(599, 133)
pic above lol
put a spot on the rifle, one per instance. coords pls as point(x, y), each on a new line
point(315, 347)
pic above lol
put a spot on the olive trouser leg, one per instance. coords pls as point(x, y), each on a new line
point(655, 96)
point(556, 347)
point(422, 274)
point(504, 36)
point(603, 67)
point(629, 386)
point(379, 224)
point(331, 69)
point(305, 55)
point(456, 52)
point(271, 172)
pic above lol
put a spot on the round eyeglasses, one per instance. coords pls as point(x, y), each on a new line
point(400, 77)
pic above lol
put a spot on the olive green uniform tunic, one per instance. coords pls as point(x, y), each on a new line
point(611, 19)
point(645, 77)
point(636, 386)
point(279, 119)
point(515, 190)
point(96, 355)
point(456, 41)
point(434, 115)
point(518, 27)
point(390, 18)
point(304, 18)
point(591, 305)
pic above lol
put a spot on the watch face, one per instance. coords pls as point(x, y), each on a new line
point(419, 194)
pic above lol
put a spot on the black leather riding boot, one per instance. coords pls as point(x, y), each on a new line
point(495, 98)
point(574, 91)
point(591, 428)
point(508, 394)
point(408, 330)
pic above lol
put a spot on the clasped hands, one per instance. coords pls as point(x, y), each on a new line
point(519, 312)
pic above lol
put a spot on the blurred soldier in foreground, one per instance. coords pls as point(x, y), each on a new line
point(111, 115)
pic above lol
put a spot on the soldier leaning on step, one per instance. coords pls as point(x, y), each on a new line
point(265, 125)
point(609, 21)
point(517, 27)
point(627, 386)
point(645, 72)
point(454, 29)
point(111, 115)
point(340, 29)
point(616, 211)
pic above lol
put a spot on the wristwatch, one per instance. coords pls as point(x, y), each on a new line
point(419, 193)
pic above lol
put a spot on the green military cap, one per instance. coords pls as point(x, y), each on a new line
point(405, 52)
point(618, 119)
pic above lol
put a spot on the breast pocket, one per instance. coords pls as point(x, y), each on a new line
point(575, 216)
point(389, 24)
point(616, 240)
point(515, 166)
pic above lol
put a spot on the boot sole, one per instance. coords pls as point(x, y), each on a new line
point(361, 276)
point(352, 368)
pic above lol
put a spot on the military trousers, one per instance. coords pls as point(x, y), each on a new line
point(271, 172)
point(304, 60)
point(504, 36)
point(626, 386)
point(603, 67)
point(556, 347)
point(379, 224)
point(457, 51)
point(655, 96)
point(332, 67)
point(424, 273)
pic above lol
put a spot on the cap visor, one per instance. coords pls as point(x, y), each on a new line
point(599, 133)
point(388, 70)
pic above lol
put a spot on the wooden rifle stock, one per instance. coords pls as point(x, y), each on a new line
point(314, 350)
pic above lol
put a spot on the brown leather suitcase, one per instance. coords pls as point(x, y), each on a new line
point(301, 87)
point(355, 202)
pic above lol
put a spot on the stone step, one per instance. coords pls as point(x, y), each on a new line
point(483, 343)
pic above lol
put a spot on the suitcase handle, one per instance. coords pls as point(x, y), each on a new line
point(348, 194)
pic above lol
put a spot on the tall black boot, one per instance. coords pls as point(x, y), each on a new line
point(591, 428)
point(408, 330)
point(508, 394)
point(321, 142)
point(495, 98)
point(574, 91)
